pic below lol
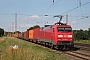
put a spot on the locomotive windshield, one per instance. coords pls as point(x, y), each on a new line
point(64, 29)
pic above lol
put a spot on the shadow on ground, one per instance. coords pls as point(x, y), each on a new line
point(72, 49)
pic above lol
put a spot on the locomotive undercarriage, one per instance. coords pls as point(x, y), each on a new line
point(60, 45)
point(64, 45)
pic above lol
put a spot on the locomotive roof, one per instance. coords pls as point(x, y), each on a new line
point(62, 26)
point(57, 26)
point(50, 26)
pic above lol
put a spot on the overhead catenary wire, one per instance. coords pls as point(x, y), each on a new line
point(76, 8)
point(53, 2)
point(51, 6)
point(80, 5)
point(81, 17)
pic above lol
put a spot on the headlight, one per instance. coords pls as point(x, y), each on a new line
point(60, 35)
point(70, 36)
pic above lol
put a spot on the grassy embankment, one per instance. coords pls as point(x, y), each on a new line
point(82, 41)
point(26, 51)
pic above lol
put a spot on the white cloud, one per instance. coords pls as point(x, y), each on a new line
point(31, 17)
point(73, 22)
point(34, 17)
point(27, 25)
point(87, 25)
point(24, 27)
point(21, 26)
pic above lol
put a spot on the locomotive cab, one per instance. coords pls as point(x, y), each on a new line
point(63, 35)
point(58, 36)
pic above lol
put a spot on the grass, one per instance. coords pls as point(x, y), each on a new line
point(26, 51)
point(82, 41)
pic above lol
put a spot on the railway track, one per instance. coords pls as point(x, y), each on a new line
point(80, 44)
point(78, 55)
point(83, 46)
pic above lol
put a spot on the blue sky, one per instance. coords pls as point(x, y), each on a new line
point(31, 12)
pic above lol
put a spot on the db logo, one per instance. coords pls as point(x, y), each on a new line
point(65, 36)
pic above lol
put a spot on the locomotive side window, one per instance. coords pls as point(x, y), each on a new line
point(68, 29)
point(64, 29)
point(60, 29)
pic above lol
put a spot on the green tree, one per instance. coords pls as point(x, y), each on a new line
point(6, 33)
point(1, 32)
point(30, 28)
point(85, 35)
point(36, 26)
point(89, 32)
point(17, 32)
point(81, 35)
point(75, 34)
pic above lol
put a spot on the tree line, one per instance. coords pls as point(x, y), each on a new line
point(1, 32)
point(36, 26)
point(82, 34)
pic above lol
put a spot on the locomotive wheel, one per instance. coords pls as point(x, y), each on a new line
point(52, 46)
point(46, 44)
point(55, 47)
point(36, 42)
point(64, 47)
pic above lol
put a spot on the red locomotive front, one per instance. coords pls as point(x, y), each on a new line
point(63, 36)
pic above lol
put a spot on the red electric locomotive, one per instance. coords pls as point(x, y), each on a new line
point(59, 36)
